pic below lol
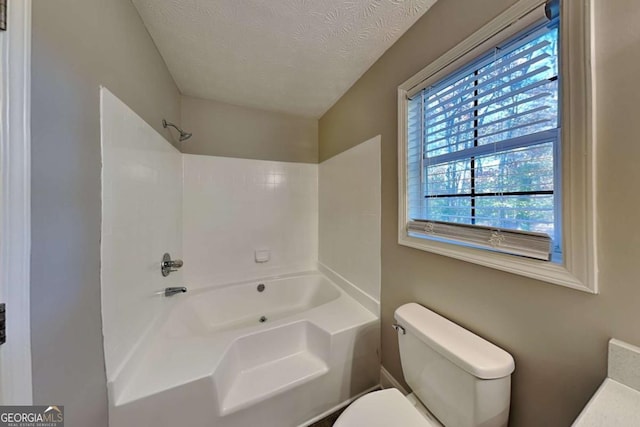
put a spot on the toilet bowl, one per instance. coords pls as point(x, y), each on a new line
point(461, 379)
point(385, 408)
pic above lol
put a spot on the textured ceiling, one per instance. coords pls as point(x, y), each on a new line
point(295, 56)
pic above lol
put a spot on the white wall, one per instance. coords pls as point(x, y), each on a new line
point(141, 219)
point(234, 206)
point(349, 206)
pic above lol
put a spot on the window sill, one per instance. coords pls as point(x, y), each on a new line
point(540, 270)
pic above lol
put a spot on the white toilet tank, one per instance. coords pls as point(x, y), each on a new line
point(464, 380)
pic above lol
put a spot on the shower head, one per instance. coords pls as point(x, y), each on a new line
point(183, 135)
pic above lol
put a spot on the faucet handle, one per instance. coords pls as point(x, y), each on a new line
point(176, 263)
point(167, 265)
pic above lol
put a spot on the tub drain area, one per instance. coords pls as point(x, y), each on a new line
point(263, 319)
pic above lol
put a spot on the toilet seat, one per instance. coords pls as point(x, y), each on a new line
point(385, 408)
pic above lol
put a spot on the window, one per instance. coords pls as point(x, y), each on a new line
point(482, 148)
point(483, 152)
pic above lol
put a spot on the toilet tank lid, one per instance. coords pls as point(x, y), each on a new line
point(467, 350)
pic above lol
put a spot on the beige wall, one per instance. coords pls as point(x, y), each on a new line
point(77, 46)
point(221, 129)
point(558, 336)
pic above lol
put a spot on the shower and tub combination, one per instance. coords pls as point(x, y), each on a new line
point(254, 327)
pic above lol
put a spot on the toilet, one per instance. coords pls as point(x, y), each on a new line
point(458, 379)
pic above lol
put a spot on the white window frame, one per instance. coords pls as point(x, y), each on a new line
point(15, 204)
point(579, 267)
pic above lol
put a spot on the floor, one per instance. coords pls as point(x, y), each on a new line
point(329, 419)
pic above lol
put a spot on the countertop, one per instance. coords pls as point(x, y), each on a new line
point(616, 403)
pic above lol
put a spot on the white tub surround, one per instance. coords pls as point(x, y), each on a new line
point(236, 219)
point(617, 400)
point(237, 209)
point(349, 221)
point(213, 362)
point(141, 220)
point(229, 352)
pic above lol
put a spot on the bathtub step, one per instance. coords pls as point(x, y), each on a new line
point(264, 381)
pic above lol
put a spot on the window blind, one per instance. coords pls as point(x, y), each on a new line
point(532, 245)
point(483, 150)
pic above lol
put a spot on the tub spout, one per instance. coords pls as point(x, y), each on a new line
point(172, 291)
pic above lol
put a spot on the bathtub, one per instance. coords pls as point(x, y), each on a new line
point(272, 352)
